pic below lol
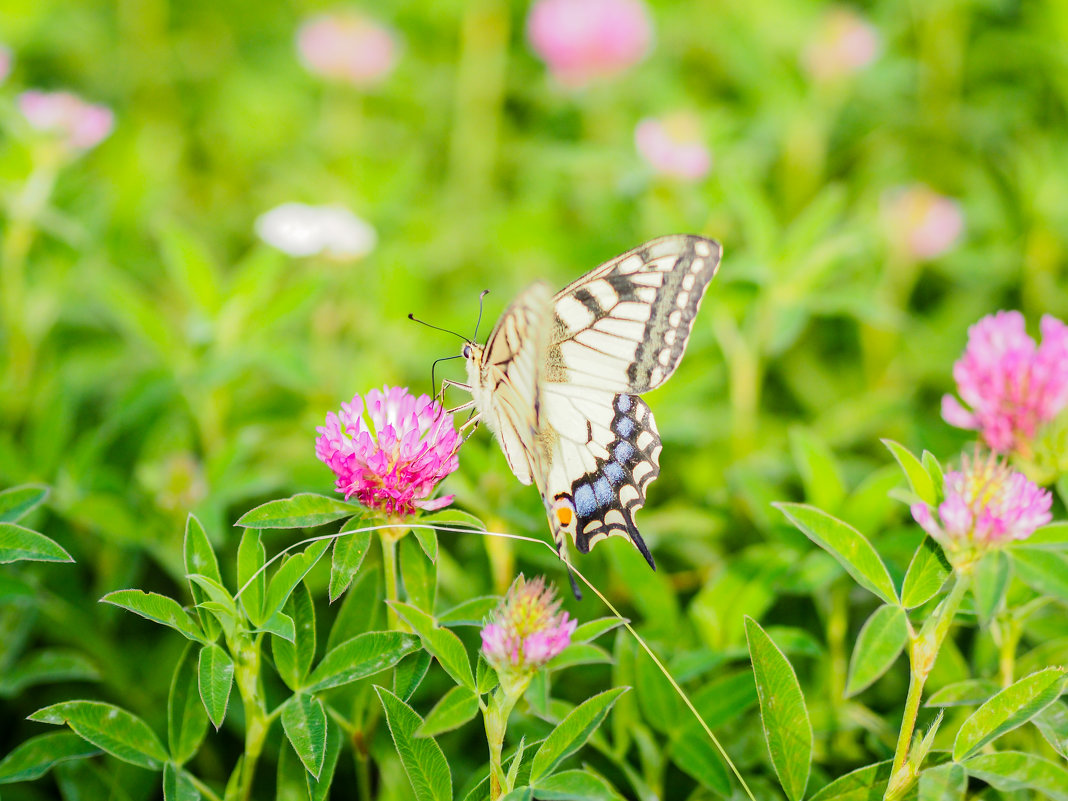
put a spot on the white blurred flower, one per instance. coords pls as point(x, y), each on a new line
point(302, 230)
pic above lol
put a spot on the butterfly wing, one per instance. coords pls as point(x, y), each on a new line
point(624, 326)
point(505, 379)
point(618, 331)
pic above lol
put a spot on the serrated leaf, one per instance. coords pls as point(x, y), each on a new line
point(157, 608)
point(216, 677)
point(1012, 707)
point(290, 574)
point(187, 723)
point(453, 710)
point(304, 722)
point(280, 625)
point(319, 789)
point(421, 757)
point(846, 544)
point(485, 676)
point(970, 692)
point(349, 552)
point(410, 672)
point(880, 642)
point(926, 575)
point(251, 578)
point(572, 732)
point(787, 729)
point(17, 502)
point(919, 481)
point(19, 544)
point(33, 758)
point(428, 541)
point(294, 659)
point(122, 734)
point(863, 784)
point(200, 559)
point(362, 656)
point(177, 786)
point(442, 643)
point(1010, 771)
point(305, 510)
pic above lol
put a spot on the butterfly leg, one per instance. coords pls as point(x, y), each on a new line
point(445, 384)
point(472, 423)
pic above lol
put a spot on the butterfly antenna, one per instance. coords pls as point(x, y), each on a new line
point(415, 319)
point(433, 383)
point(478, 322)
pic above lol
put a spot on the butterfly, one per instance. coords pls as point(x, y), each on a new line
point(560, 377)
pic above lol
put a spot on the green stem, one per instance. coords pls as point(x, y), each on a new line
point(496, 715)
point(923, 651)
point(1010, 639)
point(257, 721)
point(389, 540)
point(205, 791)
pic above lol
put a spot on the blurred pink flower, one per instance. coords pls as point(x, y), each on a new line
point(302, 230)
point(80, 125)
point(672, 146)
point(527, 629)
point(1013, 386)
point(844, 44)
point(986, 504)
point(6, 61)
point(583, 40)
point(926, 223)
point(347, 46)
point(390, 449)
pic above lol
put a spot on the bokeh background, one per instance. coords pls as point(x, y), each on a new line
point(881, 175)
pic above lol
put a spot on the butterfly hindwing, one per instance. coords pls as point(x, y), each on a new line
point(624, 326)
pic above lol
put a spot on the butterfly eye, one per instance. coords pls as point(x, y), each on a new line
point(467, 351)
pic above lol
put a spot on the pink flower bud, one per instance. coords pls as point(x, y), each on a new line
point(527, 629)
point(672, 146)
point(581, 41)
point(924, 222)
point(349, 47)
point(844, 44)
point(78, 124)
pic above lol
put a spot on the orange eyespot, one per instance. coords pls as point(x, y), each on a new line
point(563, 514)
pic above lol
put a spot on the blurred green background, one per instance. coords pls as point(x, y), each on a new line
point(173, 362)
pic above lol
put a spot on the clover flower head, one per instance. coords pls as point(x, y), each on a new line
point(921, 222)
point(349, 47)
point(527, 629)
point(390, 449)
point(302, 230)
point(581, 41)
point(986, 505)
point(78, 124)
point(1012, 385)
point(672, 146)
point(844, 44)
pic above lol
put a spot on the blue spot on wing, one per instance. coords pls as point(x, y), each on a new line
point(624, 426)
point(623, 451)
point(585, 502)
point(614, 471)
point(623, 403)
point(603, 491)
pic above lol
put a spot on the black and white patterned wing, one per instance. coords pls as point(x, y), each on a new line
point(624, 326)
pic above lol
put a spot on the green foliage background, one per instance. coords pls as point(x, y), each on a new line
point(178, 364)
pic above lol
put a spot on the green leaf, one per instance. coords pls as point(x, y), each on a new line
point(121, 734)
point(485, 676)
point(863, 784)
point(472, 612)
point(819, 471)
point(251, 578)
point(294, 659)
point(362, 656)
point(919, 481)
point(880, 642)
point(186, 722)
point(290, 574)
point(845, 544)
point(787, 729)
point(1009, 771)
point(989, 582)
point(45, 666)
point(934, 470)
point(572, 733)
point(442, 643)
point(349, 551)
point(943, 783)
point(304, 722)
point(216, 677)
point(18, 544)
point(319, 789)
point(292, 777)
point(584, 653)
point(970, 692)
point(1012, 707)
point(1045, 571)
point(157, 608)
point(592, 629)
point(453, 710)
point(410, 672)
point(17, 502)
point(177, 786)
point(420, 575)
point(280, 625)
point(926, 575)
point(696, 756)
point(200, 559)
point(305, 510)
point(658, 700)
point(452, 518)
point(1052, 537)
point(1052, 722)
point(428, 541)
point(35, 757)
point(421, 757)
point(574, 785)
